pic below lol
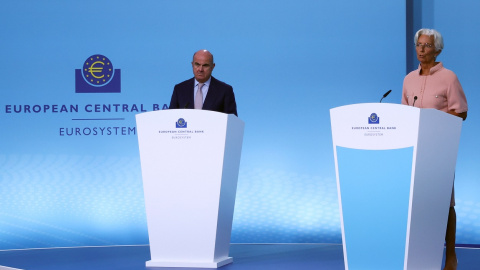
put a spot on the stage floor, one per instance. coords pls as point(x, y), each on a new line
point(245, 256)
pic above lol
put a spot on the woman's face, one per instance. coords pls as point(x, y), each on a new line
point(426, 52)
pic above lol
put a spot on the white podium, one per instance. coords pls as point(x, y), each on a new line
point(190, 162)
point(395, 167)
point(8, 268)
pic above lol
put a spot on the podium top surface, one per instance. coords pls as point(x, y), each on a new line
point(186, 111)
point(201, 116)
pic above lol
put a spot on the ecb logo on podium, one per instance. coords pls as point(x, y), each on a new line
point(181, 123)
point(97, 76)
point(374, 119)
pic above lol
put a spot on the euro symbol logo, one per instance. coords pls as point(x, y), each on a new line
point(98, 70)
point(92, 69)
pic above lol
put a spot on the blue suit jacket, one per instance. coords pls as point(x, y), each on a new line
point(220, 97)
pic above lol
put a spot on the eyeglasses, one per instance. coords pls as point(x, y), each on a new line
point(427, 45)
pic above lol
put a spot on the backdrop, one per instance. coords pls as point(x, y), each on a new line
point(69, 162)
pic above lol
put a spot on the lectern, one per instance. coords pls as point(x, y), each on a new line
point(395, 167)
point(190, 162)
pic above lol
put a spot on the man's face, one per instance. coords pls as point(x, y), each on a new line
point(202, 66)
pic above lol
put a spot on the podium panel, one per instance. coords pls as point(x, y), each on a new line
point(190, 162)
point(368, 177)
point(395, 167)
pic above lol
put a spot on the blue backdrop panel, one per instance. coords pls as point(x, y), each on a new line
point(375, 190)
point(456, 21)
point(69, 168)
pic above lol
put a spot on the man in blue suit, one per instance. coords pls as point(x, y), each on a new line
point(204, 91)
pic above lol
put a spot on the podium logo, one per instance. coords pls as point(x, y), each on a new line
point(97, 76)
point(373, 119)
point(181, 123)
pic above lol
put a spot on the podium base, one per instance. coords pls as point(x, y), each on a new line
point(213, 264)
point(8, 268)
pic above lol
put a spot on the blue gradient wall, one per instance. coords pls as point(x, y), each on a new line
point(289, 63)
point(457, 22)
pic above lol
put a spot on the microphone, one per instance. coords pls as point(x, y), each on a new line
point(186, 105)
point(414, 99)
point(385, 95)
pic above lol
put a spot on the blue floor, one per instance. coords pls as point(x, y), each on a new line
point(245, 256)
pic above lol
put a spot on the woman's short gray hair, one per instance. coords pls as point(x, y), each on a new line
point(437, 37)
